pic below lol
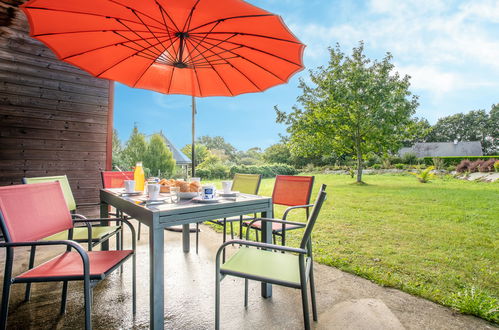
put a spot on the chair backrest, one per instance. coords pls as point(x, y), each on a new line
point(66, 188)
point(246, 183)
point(30, 212)
point(115, 179)
point(321, 197)
point(292, 190)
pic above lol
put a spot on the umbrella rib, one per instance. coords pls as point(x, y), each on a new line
point(120, 61)
point(147, 26)
point(200, 41)
point(154, 55)
point(81, 13)
point(163, 10)
point(132, 10)
point(188, 21)
point(166, 26)
point(252, 62)
point(81, 31)
point(218, 74)
point(229, 18)
point(251, 35)
point(233, 66)
point(256, 49)
point(197, 78)
point(109, 45)
point(160, 52)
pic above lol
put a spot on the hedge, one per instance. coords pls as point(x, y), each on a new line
point(455, 160)
point(267, 171)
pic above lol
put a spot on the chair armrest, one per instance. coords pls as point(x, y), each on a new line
point(289, 209)
point(87, 204)
point(78, 216)
point(258, 244)
point(284, 222)
point(125, 221)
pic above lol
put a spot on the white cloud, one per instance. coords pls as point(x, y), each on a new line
point(444, 46)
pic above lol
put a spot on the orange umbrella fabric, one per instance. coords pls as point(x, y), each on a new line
point(192, 47)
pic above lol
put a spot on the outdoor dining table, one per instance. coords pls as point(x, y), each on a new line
point(160, 216)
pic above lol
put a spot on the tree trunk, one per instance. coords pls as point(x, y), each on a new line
point(359, 162)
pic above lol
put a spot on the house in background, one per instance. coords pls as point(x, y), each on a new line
point(444, 149)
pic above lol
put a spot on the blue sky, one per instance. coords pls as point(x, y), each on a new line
point(449, 48)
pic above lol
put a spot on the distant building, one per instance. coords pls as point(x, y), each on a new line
point(178, 155)
point(444, 149)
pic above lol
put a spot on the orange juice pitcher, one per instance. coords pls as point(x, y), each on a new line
point(139, 177)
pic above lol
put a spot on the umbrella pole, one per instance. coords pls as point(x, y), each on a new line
point(193, 149)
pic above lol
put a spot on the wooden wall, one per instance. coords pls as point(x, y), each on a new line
point(53, 117)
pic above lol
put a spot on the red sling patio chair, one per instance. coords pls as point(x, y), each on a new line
point(116, 179)
point(28, 213)
point(292, 191)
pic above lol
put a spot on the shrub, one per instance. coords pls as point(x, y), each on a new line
point(410, 158)
point(424, 176)
point(450, 168)
point(487, 165)
point(496, 166)
point(400, 166)
point(386, 163)
point(215, 171)
point(455, 160)
point(376, 166)
point(438, 163)
point(463, 166)
point(475, 166)
point(267, 171)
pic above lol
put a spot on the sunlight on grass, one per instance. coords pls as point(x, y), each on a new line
point(436, 240)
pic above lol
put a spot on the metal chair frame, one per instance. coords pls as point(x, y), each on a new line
point(305, 259)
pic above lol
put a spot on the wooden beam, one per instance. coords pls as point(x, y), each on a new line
point(110, 113)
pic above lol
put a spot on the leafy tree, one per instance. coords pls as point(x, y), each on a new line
point(117, 151)
point(158, 157)
point(477, 125)
point(201, 152)
point(218, 143)
point(251, 156)
point(418, 130)
point(354, 106)
point(135, 148)
point(277, 153)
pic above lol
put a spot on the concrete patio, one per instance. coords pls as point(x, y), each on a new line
point(345, 301)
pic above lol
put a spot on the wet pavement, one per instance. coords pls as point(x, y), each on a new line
point(345, 301)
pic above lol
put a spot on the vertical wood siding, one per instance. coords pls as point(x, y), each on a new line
point(53, 116)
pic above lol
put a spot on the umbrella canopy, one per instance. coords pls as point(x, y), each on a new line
point(193, 47)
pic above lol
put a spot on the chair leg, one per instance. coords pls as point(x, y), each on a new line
point(217, 298)
point(273, 238)
point(224, 239)
point(312, 293)
point(134, 283)
point(197, 237)
point(231, 230)
point(27, 293)
point(240, 227)
point(256, 235)
point(64, 296)
point(304, 300)
point(138, 232)
point(87, 293)
point(245, 293)
point(6, 288)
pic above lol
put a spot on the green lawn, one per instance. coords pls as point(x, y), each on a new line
point(437, 240)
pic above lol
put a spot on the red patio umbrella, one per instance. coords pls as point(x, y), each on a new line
point(192, 47)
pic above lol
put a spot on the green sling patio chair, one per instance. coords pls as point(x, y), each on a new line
point(273, 264)
point(245, 184)
point(80, 234)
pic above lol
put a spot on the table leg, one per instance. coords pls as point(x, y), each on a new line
point(104, 213)
point(266, 238)
point(186, 239)
point(156, 277)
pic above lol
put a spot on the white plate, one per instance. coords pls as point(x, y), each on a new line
point(187, 195)
point(200, 200)
point(135, 193)
point(231, 194)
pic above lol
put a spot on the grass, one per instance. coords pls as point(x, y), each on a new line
point(437, 240)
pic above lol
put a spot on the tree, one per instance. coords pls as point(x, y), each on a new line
point(117, 151)
point(354, 106)
point(218, 143)
point(277, 153)
point(135, 148)
point(418, 130)
point(201, 152)
point(158, 157)
point(477, 125)
point(252, 156)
